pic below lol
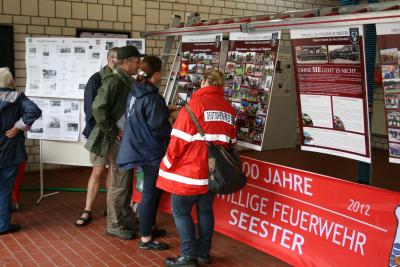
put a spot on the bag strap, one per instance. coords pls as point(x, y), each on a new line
point(196, 122)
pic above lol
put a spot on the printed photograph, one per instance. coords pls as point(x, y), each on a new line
point(46, 52)
point(233, 56)
point(34, 85)
point(32, 50)
point(258, 70)
point(312, 54)
point(200, 68)
point(65, 50)
point(339, 54)
point(186, 55)
point(192, 68)
point(308, 139)
point(391, 86)
point(239, 69)
point(269, 58)
point(260, 120)
point(72, 127)
point(36, 130)
point(250, 57)
point(390, 72)
point(392, 101)
point(307, 121)
point(389, 56)
point(49, 74)
point(394, 135)
point(230, 67)
point(259, 59)
point(79, 50)
point(338, 123)
point(249, 69)
point(54, 123)
point(109, 45)
point(193, 57)
point(55, 103)
point(82, 86)
point(394, 150)
point(393, 118)
point(96, 55)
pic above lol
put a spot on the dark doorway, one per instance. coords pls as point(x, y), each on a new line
point(7, 47)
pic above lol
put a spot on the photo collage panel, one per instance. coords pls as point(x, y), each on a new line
point(390, 61)
point(248, 84)
point(192, 68)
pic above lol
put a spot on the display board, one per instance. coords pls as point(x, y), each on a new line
point(199, 53)
point(389, 51)
point(60, 120)
point(331, 87)
point(249, 72)
point(307, 219)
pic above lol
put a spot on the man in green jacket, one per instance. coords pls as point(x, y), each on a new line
point(108, 110)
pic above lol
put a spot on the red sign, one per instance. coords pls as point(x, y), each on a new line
point(331, 88)
point(307, 219)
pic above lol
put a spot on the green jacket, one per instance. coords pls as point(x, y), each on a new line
point(108, 107)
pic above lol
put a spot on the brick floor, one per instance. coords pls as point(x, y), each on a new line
point(49, 237)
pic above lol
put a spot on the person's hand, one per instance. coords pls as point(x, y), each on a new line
point(119, 135)
point(174, 114)
point(12, 132)
point(172, 108)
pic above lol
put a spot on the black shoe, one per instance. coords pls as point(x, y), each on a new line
point(204, 260)
point(181, 261)
point(151, 245)
point(13, 228)
point(156, 233)
point(121, 233)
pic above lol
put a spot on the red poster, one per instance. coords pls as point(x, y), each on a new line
point(307, 219)
point(249, 72)
point(199, 53)
point(389, 51)
point(331, 87)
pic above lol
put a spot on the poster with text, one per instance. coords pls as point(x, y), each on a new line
point(331, 88)
point(308, 219)
point(60, 120)
point(249, 74)
point(199, 53)
point(389, 53)
point(60, 67)
point(108, 43)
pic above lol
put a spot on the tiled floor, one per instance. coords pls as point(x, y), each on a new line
point(49, 237)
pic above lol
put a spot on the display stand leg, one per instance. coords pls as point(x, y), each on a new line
point(42, 195)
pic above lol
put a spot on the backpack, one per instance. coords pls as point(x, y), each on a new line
point(225, 175)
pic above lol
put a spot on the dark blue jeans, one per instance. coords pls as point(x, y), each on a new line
point(191, 246)
point(7, 179)
point(150, 199)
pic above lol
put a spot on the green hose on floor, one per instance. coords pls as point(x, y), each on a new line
point(59, 189)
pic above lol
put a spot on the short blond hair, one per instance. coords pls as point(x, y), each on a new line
point(214, 77)
point(5, 77)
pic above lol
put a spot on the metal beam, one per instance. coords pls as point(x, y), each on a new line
point(359, 14)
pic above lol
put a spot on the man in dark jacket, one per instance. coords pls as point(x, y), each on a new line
point(99, 163)
point(17, 114)
point(108, 111)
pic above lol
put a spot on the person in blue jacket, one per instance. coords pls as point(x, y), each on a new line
point(17, 114)
point(145, 141)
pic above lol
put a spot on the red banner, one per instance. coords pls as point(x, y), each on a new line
point(307, 219)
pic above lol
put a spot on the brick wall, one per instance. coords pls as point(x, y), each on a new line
point(45, 18)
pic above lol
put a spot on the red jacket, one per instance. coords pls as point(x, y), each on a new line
point(184, 169)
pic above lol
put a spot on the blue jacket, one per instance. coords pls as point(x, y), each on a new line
point(147, 130)
point(15, 110)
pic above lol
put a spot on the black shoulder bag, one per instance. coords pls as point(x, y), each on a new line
point(225, 175)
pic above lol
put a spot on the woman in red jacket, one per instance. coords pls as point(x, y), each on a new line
point(184, 169)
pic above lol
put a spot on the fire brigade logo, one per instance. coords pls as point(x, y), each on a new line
point(274, 39)
point(354, 35)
